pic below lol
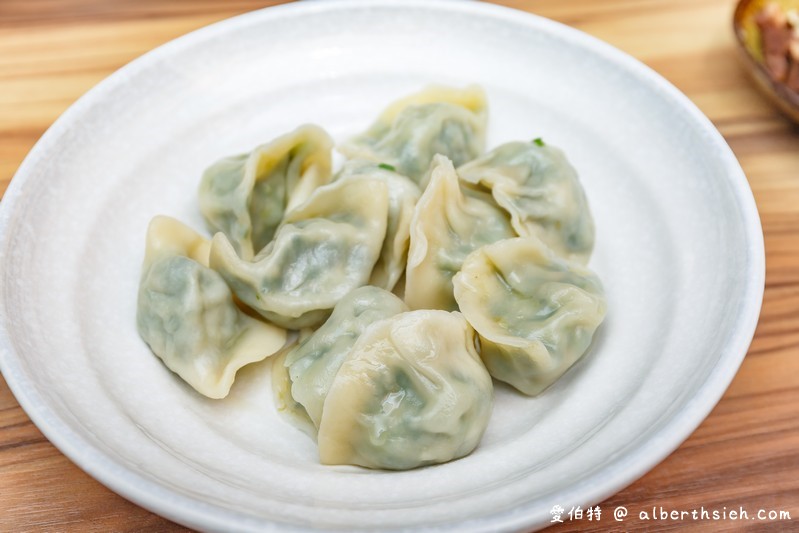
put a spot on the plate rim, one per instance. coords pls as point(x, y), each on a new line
point(614, 477)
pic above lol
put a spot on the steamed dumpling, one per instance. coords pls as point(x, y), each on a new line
point(402, 197)
point(325, 248)
point(447, 225)
point(186, 313)
point(314, 364)
point(540, 190)
point(167, 237)
point(535, 312)
point(412, 392)
point(245, 196)
point(289, 408)
point(437, 120)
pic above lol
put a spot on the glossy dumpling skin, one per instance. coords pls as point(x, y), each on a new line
point(167, 237)
point(289, 408)
point(448, 223)
point(186, 313)
point(245, 196)
point(412, 392)
point(436, 120)
point(314, 364)
point(535, 312)
point(540, 190)
point(324, 249)
point(402, 197)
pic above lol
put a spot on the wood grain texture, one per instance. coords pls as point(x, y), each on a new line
point(746, 454)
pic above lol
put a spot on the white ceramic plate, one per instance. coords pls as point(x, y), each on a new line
point(679, 248)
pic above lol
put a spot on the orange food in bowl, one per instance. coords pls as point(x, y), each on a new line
point(768, 35)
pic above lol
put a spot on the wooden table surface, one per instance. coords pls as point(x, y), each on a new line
point(746, 454)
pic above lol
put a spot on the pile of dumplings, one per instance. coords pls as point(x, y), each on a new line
point(389, 292)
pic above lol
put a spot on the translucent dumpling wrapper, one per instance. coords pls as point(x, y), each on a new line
point(448, 223)
point(542, 193)
point(535, 313)
point(402, 197)
point(324, 249)
point(187, 315)
point(245, 196)
point(436, 120)
point(313, 364)
point(413, 392)
point(289, 408)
